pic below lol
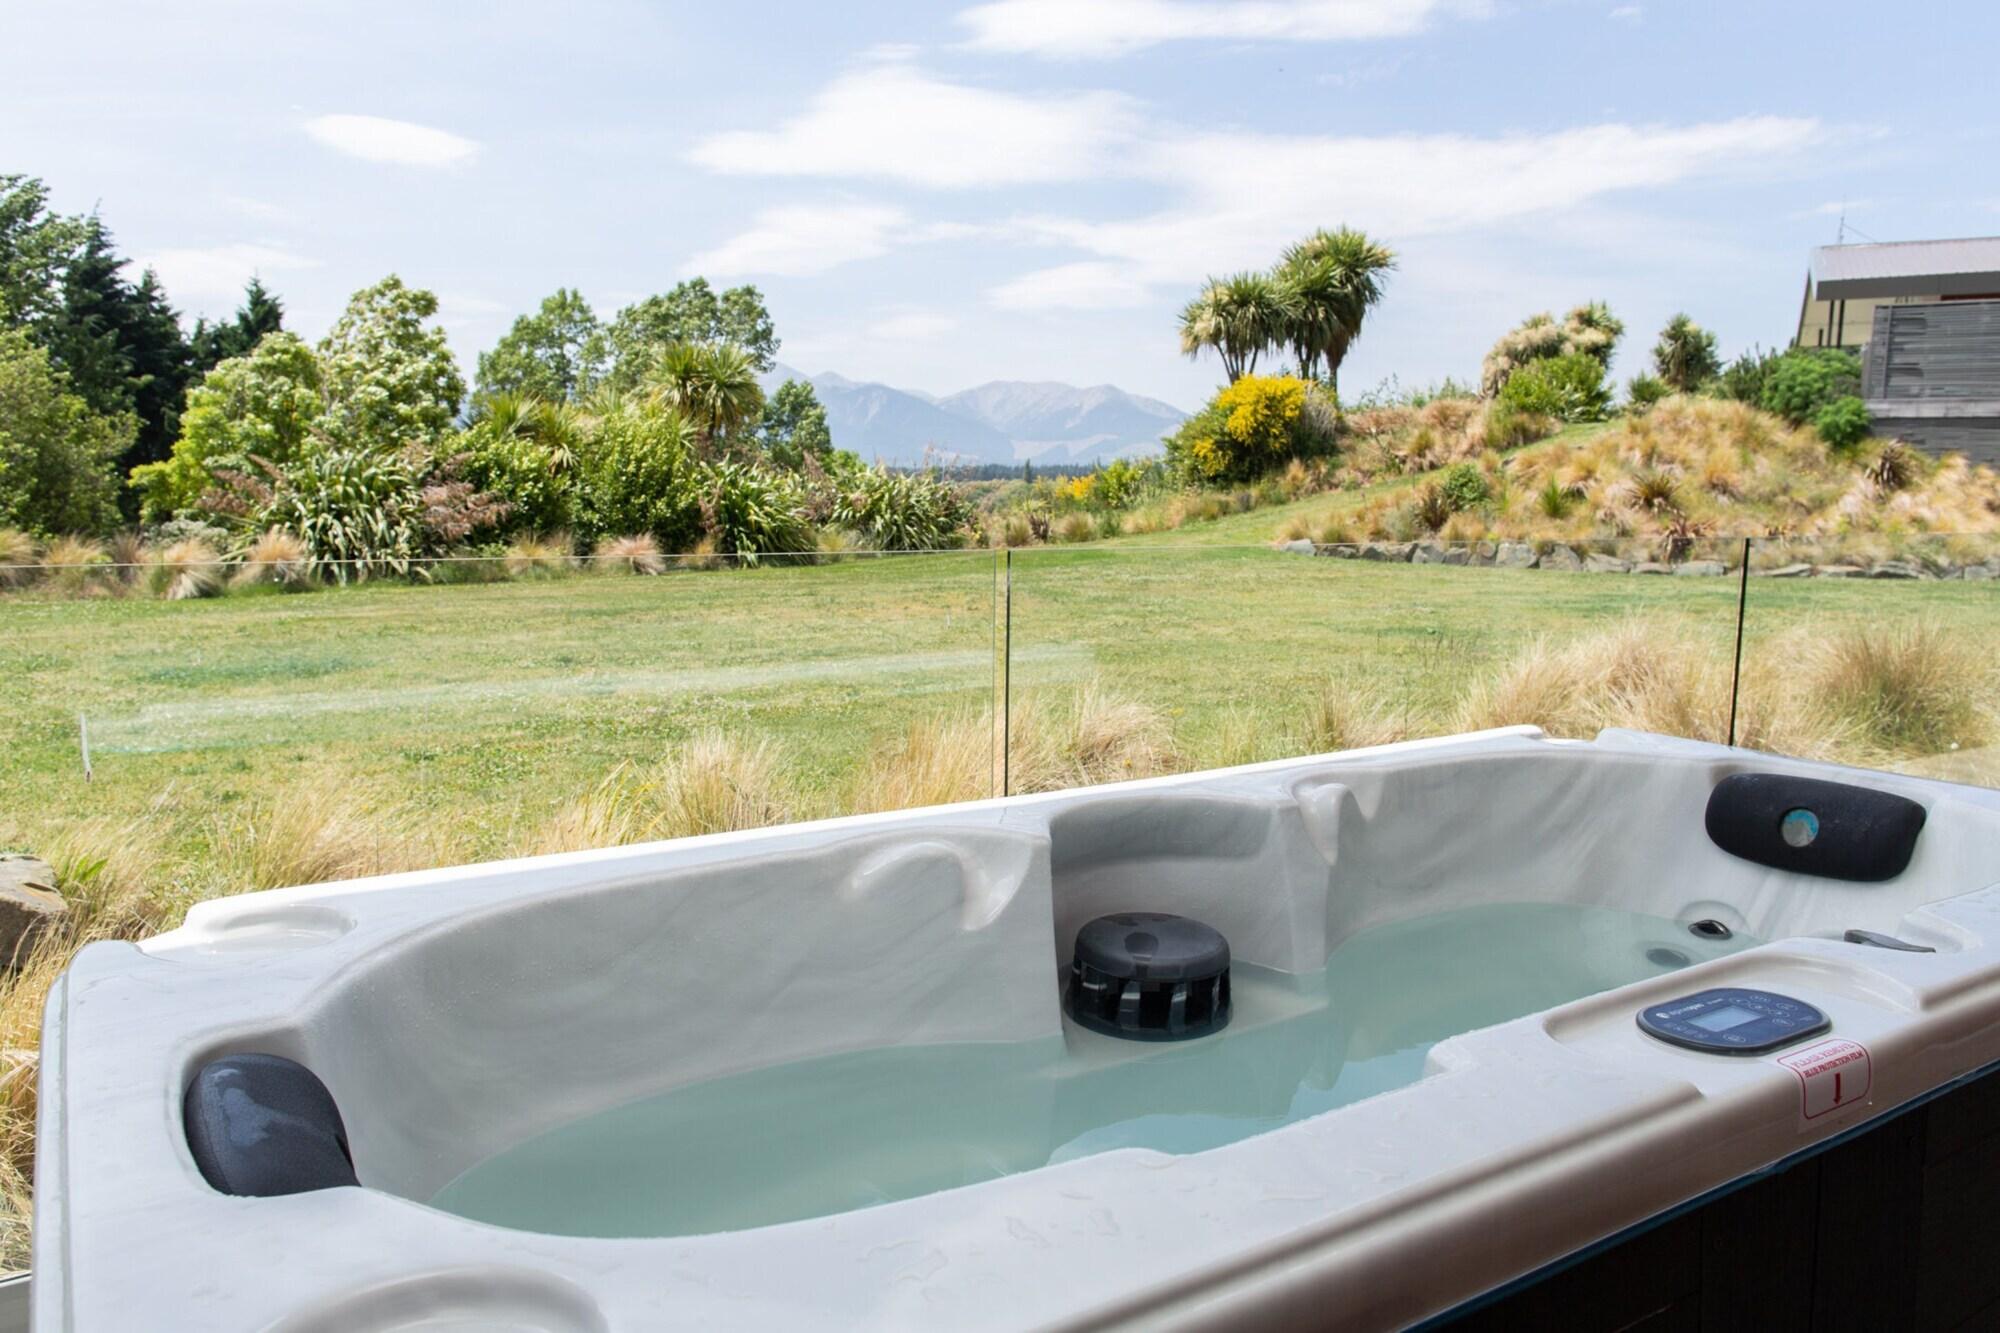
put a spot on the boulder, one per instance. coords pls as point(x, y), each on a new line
point(28, 903)
point(1897, 569)
point(1561, 557)
point(1457, 555)
point(1392, 551)
point(1427, 553)
point(1786, 572)
point(1516, 555)
point(1838, 572)
point(1701, 568)
point(1979, 572)
point(1599, 563)
point(1652, 567)
point(1302, 546)
point(1483, 552)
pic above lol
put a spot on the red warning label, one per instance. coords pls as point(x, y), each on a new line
point(1832, 1074)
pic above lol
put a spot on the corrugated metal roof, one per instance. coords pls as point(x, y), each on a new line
point(1965, 267)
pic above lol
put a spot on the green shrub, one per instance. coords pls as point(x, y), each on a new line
point(1252, 427)
point(357, 511)
point(1743, 379)
point(57, 457)
point(1465, 487)
point(903, 511)
point(752, 511)
point(1555, 500)
point(636, 474)
point(1589, 330)
point(1842, 423)
point(1804, 381)
point(1643, 392)
point(520, 471)
point(1570, 388)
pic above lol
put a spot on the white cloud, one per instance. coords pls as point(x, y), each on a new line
point(1232, 199)
point(378, 139)
point(1088, 285)
point(220, 271)
point(895, 122)
point(1628, 13)
point(1103, 28)
point(803, 239)
point(912, 326)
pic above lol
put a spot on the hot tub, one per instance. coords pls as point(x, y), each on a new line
point(823, 1076)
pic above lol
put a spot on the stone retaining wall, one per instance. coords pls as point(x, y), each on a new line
point(1558, 555)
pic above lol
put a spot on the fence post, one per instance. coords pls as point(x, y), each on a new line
point(1007, 674)
point(1736, 674)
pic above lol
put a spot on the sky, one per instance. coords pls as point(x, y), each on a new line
point(934, 195)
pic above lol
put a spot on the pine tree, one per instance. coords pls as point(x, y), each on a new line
point(260, 313)
point(122, 346)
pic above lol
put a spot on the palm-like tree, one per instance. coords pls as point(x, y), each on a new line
point(713, 385)
point(1329, 282)
point(1685, 356)
point(1238, 317)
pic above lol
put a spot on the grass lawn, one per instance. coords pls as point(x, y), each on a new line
point(481, 708)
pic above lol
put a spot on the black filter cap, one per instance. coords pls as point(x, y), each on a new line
point(1150, 976)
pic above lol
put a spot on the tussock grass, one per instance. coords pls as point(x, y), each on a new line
point(18, 554)
point(312, 832)
point(78, 566)
point(1909, 689)
point(188, 569)
point(716, 783)
point(629, 555)
point(277, 558)
point(1344, 716)
point(938, 760)
point(538, 556)
point(1074, 528)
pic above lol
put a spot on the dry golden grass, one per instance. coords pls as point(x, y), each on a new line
point(18, 554)
point(1723, 468)
point(629, 555)
point(310, 833)
point(715, 784)
point(277, 557)
point(78, 566)
point(186, 570)
point(1903, 690)
point(939, 760)
point(537, 556)
point(1074, 528)
point(1343, 716)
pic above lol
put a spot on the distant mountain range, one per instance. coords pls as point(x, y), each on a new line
point(1002, 422)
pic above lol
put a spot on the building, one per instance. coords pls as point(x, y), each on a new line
point(1848, 283)
point(1925, 316)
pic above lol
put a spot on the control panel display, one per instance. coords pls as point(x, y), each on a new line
point(1731, 1020)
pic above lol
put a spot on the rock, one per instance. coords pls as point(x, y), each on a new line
point(1787, 572)
point(1341, 551)
point(1561, 557)
point(1599, 563)
point(1392, 551)
point(1896, 569)
point(1980, 572)
point(1702, 568)
point(1652, 567)
point(1838, 572)
point(1484, 552)
point(1427, 553)
point(1302, 546)
point(1457, 555)
point(1516, 555)
point(28, 903)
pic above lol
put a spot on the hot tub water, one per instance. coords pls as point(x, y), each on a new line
point(817, 1137)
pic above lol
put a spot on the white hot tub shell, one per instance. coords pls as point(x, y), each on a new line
point(455, 1013)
